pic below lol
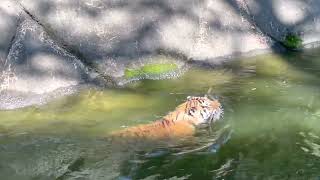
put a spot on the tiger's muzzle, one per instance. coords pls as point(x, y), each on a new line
point(208, 112)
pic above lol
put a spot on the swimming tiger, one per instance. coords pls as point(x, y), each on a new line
point(180, 123)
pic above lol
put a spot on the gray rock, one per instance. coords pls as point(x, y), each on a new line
point(109, 36)
point(36, 64)
point(37, 70)
point(112, 35)
point(16, 99)
point(122, 32)
point(9, 15)
point(278, 18)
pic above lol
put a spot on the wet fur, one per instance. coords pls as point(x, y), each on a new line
point(177, 124)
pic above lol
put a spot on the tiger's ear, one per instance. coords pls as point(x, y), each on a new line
point(189, 98)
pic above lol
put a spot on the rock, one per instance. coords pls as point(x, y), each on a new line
point(113, 34)
point(9, 15)
point(16, 99)
point(36, 64)
point(110, 37)
point(278, 18)
point(37, 69)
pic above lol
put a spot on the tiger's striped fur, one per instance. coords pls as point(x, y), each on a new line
point(179, 123)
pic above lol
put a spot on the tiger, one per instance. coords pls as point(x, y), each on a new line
point(180, 123)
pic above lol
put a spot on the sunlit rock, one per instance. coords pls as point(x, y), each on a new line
point(36, 64)
point(278, 18)
point(9, 15)
point(111, 37)
point(290, 12)
point(107, 32)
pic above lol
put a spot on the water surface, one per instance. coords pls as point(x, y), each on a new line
point(272, 111)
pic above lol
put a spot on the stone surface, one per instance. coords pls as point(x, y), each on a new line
point(278, 18)
point(36, 69)
point(17, 99)
point(49, 45)
point(9, 16)
point(112, 34)
point(36, 64)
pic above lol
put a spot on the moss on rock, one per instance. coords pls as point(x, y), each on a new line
point(292, 41)
point(131, 73)
point(151, 70)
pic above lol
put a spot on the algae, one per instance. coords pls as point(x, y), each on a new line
point(292, 41)
point(150, 70)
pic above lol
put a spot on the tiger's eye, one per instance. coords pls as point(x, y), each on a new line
point(192, 111)
point(205, 104)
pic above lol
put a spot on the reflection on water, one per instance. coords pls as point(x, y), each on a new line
point(272, 113)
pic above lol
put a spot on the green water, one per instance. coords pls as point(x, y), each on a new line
point(272, 109)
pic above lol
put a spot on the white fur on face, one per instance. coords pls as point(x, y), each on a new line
point(205, 113)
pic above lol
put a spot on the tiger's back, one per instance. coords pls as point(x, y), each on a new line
point(180, 123)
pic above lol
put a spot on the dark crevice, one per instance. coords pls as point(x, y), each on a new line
point(101, 80)
point(11, 43)
point(4, 62)
point(278, 45)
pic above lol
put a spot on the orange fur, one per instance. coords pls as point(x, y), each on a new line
point(176, 124)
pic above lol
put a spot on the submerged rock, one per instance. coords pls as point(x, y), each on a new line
point(16, 99)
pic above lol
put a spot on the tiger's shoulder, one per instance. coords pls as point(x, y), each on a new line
point(179, 123)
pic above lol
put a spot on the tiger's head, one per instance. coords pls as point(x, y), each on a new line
point(199, 110)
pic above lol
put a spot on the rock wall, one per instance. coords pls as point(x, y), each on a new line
point(9, 17)
point(120, 32)
point(277, 18)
